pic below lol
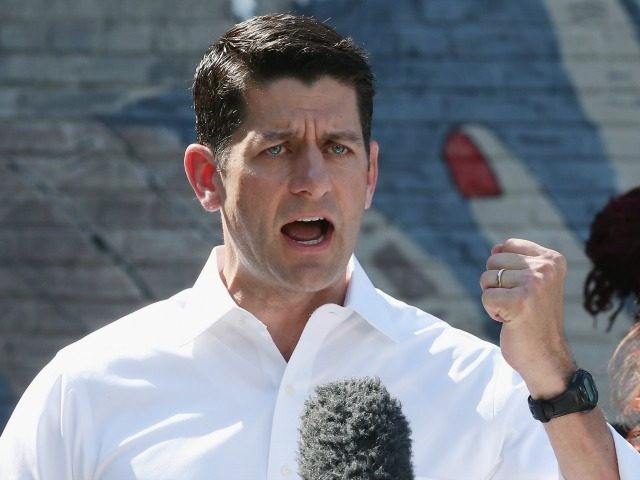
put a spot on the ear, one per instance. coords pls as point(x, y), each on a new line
point(372, 173)
point(200, 167)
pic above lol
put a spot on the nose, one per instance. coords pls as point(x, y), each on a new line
point(310, 176)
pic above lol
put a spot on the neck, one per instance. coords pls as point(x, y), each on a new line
point(284, 311)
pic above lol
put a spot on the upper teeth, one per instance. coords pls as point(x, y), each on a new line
point(310, 219)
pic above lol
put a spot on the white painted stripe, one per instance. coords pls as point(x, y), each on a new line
point(601, 54)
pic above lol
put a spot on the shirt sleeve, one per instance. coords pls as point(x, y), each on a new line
point(628, 457)
point(527, 452)
point(32, 446)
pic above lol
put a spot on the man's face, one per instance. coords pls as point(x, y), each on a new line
point(295, 185)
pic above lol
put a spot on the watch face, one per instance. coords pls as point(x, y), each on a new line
point(587, 388)
point(592, 393)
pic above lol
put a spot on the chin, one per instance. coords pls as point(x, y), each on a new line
point(314, 279)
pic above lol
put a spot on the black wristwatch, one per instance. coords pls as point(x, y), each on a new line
point(580, 395)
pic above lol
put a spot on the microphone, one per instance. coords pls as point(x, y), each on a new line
point(353, 429)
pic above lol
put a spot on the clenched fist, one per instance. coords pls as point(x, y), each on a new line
point(523, 289)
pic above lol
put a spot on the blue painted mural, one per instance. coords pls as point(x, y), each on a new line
point(492, 87)
point(424, 94)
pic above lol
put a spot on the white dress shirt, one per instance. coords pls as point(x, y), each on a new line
point(193, 387)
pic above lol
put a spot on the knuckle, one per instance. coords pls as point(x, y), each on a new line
point(552, 264)
point(535, 281)
point(545, 268)
point(491, 262)
point(555, 257)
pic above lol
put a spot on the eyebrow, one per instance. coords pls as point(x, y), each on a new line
point(348, 135)
point(271, 135)
point(336, 135)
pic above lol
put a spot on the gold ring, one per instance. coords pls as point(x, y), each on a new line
point(500, 272)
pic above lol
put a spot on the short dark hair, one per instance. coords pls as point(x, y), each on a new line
point(624, 377)
point(266, 48)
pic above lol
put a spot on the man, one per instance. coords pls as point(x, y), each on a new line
point(211, 383)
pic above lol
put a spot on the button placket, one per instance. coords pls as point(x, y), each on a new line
point(286, 470)
point(290, 390)
point(295, 384)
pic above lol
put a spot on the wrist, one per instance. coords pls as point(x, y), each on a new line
point(552, 382)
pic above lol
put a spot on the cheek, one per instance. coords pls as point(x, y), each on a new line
point(253, 200)
point(353, 206)
point(357, 192)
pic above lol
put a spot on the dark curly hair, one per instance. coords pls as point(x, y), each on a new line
point(624, 377)
point(614, 248)
point(267, 48)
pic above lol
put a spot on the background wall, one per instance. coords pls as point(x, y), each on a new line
point(496, 118)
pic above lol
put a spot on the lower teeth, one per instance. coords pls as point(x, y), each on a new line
point(311, 242)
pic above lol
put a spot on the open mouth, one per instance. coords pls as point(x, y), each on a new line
point(308, 231)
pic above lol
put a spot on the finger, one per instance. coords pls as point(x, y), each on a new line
point(508, 279)
point(523, 247)
point(488, 279)
point(496, 248)
point(513, 261)
point(500, 303)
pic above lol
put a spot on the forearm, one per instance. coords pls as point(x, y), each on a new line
point(583, 446)
point(581, 441)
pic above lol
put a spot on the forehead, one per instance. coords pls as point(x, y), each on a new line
point(288, 102)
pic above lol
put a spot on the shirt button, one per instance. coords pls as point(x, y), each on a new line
point(285, 471)
point(289, 390)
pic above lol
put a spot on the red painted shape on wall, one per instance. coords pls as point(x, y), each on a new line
point(470, 169)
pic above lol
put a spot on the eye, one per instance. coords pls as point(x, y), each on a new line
point(338, 149)
point(275, 150)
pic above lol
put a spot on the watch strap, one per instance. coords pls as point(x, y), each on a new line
point(581, 395)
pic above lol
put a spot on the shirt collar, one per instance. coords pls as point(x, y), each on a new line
point(209, 300)
point(369, 303)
